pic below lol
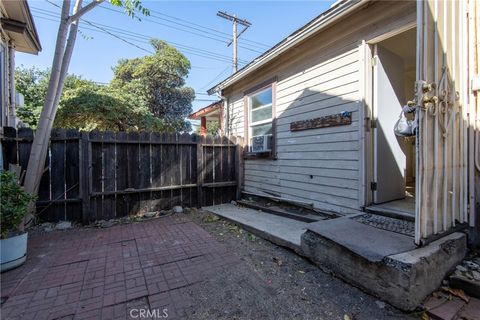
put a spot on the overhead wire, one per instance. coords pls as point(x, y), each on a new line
point(208, 28)
point(105, 28)
point(127, 32)
point(220, 75)
point(218, 38)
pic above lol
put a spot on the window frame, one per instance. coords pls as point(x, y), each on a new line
point(270, 154)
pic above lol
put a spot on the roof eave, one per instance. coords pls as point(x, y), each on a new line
point(321, 22)
point(33, 29)
point(205, 111)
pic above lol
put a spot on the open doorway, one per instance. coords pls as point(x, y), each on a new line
point(394, 157)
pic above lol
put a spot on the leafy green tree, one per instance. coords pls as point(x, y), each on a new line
point(91, 106)
point(158, 80)
point(32, 83)
point(65, 43)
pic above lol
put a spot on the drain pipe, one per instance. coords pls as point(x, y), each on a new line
point(435, 118)
point(225, 118)
point(476, 81)
point(454, 118)
point(474, 73)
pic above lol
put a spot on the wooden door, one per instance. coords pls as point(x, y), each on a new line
point(389, 97)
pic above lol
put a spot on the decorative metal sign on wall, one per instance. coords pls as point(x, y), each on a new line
point(339, 119)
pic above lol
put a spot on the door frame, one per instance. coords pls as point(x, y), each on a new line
point(368, 53)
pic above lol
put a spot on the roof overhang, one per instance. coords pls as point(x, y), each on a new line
point(19, 26)
point(338, 10)
point(213, 109)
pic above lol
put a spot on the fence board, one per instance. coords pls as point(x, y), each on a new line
point(96, 179)
point(105, 175)
point(144, 172)
point(208, 168)
point(109, 170)
point(121, 175)
point(73, 210)
point(175, 169)
point(9, 147)
point(25, 136)
point(158, 201)
point(57, 169)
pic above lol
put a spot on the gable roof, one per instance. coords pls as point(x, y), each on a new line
point(206, 110)
point(325, 19)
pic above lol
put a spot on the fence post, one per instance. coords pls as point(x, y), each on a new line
point(239, 166)
point(84, 175)
point(200, 173)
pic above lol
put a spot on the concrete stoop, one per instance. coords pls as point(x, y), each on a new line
point(383, 263)
point(401, 277)
point(282, 231)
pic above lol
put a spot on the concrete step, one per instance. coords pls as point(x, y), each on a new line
point(382, 263)
point(305, 217)
point(390, 212)
point(282, 231)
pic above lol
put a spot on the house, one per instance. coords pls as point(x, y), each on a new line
point(211, 113)
point(18, 33)
point(312, 111)
point(318, 110)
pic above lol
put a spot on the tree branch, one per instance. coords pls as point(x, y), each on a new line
point(77, 15)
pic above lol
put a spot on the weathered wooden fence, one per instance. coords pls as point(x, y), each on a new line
point(103, 175)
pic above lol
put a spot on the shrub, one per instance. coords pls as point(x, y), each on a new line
point(13, 203)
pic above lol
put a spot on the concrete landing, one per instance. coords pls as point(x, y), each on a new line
point(368, 242)
point(397, 273)
point(383, 263)
point(279, 230)
point(403, 209)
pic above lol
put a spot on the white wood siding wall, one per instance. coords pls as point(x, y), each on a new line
point(320, 166)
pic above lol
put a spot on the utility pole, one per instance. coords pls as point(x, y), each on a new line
point(236, 35)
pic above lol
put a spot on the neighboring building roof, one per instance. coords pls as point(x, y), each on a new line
point(20, 27)
point(209, 110)
point(337, 10)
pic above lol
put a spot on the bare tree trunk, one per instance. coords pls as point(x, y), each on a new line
point(72, 37)
point(61, 61)
point(36, 162)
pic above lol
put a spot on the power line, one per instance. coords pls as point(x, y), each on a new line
point(115, 36)
point(217, 33)
point(189, 51)
point(221, 39)
point(208, 28)
point(192, 50)
point(103, 83)
point(221, 74)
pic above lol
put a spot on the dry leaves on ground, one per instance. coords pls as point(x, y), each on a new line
point(457, 293)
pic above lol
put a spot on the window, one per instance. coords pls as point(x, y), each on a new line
point(260, 116)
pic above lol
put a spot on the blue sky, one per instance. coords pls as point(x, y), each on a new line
point(192, 26)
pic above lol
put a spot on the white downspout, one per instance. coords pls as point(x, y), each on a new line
point(474, 40)
point(435, 118)
point(12, 118)
point(454, 118)
point(226, 114)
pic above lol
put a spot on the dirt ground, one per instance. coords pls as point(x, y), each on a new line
point(276, 283)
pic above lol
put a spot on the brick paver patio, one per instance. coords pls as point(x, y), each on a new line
point(107, 273)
